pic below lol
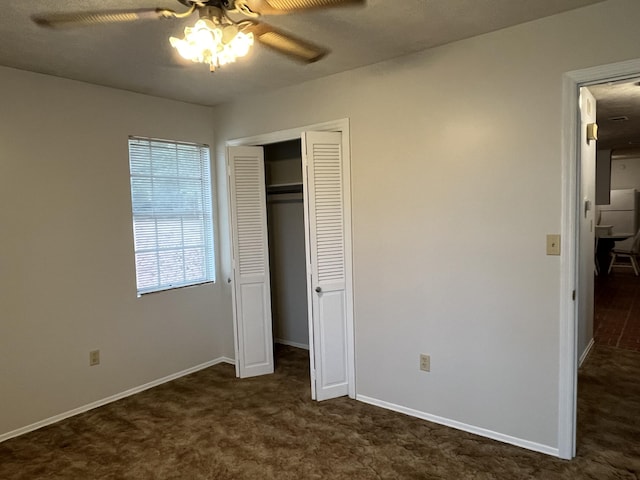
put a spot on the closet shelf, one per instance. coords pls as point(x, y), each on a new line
point(277, 188)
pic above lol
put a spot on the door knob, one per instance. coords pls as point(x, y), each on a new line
point(228, 280)
point(318, 289)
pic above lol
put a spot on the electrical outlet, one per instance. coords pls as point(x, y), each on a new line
point(425, 362)
point(94, 358)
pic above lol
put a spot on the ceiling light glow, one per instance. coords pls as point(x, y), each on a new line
point(208, 42)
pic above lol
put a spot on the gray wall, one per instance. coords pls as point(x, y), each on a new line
point(603, 177)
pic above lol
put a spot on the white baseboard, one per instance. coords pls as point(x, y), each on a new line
point(586, 352)
point(112, 398)
point(291, 344)
point(518, 442)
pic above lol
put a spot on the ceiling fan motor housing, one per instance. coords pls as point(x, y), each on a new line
point(211, 13)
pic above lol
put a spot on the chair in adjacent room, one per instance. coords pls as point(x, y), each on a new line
point(632, 254)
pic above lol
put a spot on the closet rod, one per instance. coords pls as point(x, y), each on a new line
point(284, 188)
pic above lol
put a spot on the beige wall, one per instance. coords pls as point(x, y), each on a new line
point(67, 276)
point(456, 180)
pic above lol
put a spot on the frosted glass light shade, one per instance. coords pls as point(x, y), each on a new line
point(207, 42)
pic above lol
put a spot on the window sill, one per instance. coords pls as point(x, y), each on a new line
point(180, 287)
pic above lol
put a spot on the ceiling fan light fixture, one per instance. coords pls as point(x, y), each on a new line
point(211, 43)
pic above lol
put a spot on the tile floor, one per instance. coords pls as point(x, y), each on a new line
point(617, 309)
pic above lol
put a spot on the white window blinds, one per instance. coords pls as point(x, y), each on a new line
point(172, 219)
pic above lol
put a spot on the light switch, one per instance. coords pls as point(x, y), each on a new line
point(587, 207)
point(553, 244)
point(592, 132)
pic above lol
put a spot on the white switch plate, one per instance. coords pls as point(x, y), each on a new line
point(425, 362)
point(553, 244)
point(94, 358)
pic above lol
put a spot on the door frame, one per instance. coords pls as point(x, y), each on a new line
point(342, 126)
point(570, 137)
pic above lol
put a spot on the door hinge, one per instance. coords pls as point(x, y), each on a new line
point(573, 295)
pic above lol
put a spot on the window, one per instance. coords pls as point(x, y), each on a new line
point(172, 219)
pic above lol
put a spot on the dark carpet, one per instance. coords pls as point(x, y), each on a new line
point(617, 309)
point(210, 425)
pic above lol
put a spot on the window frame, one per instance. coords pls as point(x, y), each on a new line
point(163, 207)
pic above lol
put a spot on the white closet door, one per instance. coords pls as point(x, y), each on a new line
point(251, 289)
point(322, 152)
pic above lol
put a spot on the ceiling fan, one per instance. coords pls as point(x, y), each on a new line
point(216, 38)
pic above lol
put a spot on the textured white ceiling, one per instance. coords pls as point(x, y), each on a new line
point(614, 101)
point(138, 56)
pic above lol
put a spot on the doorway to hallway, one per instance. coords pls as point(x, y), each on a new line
point(572, 277)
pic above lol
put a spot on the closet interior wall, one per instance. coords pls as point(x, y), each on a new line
point(285, 220)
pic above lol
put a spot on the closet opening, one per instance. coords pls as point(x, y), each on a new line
point(287, 258)
point(302, 253)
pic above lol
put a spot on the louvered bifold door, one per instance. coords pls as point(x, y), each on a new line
point(326, 200)
point(251, 290)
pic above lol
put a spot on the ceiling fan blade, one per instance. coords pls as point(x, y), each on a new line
point(80, 19)
point(279, 7)
point(284, 43)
